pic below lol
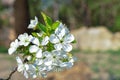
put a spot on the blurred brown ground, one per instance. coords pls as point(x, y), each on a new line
point(90, 66)
point(80, 71)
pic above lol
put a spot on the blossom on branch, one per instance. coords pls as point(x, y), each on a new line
point(44, 51)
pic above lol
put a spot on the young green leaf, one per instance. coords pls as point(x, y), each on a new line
point(47, 19)
point(42, 27)
point(55, 25)
point(34, 34)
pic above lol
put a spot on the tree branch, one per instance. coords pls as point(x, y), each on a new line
point(9, 77)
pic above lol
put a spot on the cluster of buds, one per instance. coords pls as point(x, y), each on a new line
point(46, 49)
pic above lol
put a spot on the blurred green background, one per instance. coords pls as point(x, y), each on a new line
point(95, 24)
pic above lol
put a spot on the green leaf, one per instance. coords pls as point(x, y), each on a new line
point(34, 34)
point(47, 19)
point(55, 25)
point(42, 27)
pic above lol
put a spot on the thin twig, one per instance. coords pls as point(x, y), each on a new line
point(12, 74)
point(9, 77)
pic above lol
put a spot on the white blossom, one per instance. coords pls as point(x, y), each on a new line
point(54, 39)
point(62, 39)
point(39, 53)
point(13, 47)
point(24, 39)
point(33, 23)
point(60, 31)
point(58, 46)
point(38, 61)
point(29, 58)
point(40, 34)
point(45, 41)
point(66, 47)
point(33, 49)
point(22, 67)
point(48, 58)
point(32, 71)
point(37, 50)
point(43, 51)
point(68, 38)
point(35, 41)
point(66, 64)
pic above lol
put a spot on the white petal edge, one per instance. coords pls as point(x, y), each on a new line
point(45, 41)
point(39, 53)
point(67, 47)
point(54, 39)
point(58, 46)
point(69, 38)
point(33, 49)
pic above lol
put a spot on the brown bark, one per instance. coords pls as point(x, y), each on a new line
point(21, 14)
point(55, 11)
point(87, 15)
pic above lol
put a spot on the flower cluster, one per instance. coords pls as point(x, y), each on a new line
point(46, 49)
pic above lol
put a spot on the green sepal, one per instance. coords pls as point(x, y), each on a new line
point(74, 41)
point(50, 47)
point(47, 19)
point(33, 58)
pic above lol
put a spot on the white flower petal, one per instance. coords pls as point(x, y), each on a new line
point(21, 37)
point(54, 39)
point(36, 19)
point(34, 75)
point(56, 53)
point(19, 61)
point(11, 50)
point(29, 58)
point(35, 41)
point(30, 26)
point(24, 39)
point(13, 47)
point(67, 47)
point(33, 23)
point(45, 41)
point(48, 62)
point(15, 43)
point(30, 37)
point(44, 75)
point(69, 38)
point(60, 31)
point(26, 66)
point(33, 49)
point(66, 64)
point(40, 34)
point(49, 68)
point(47, 54)
point(32, 71)
point(38, 61)
point(26, 43)
point(39, 53)
point(20, 68)
point(31, 67)
point(25, 74)
point(66, 30)
point(72, 60)
point(58, 46)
